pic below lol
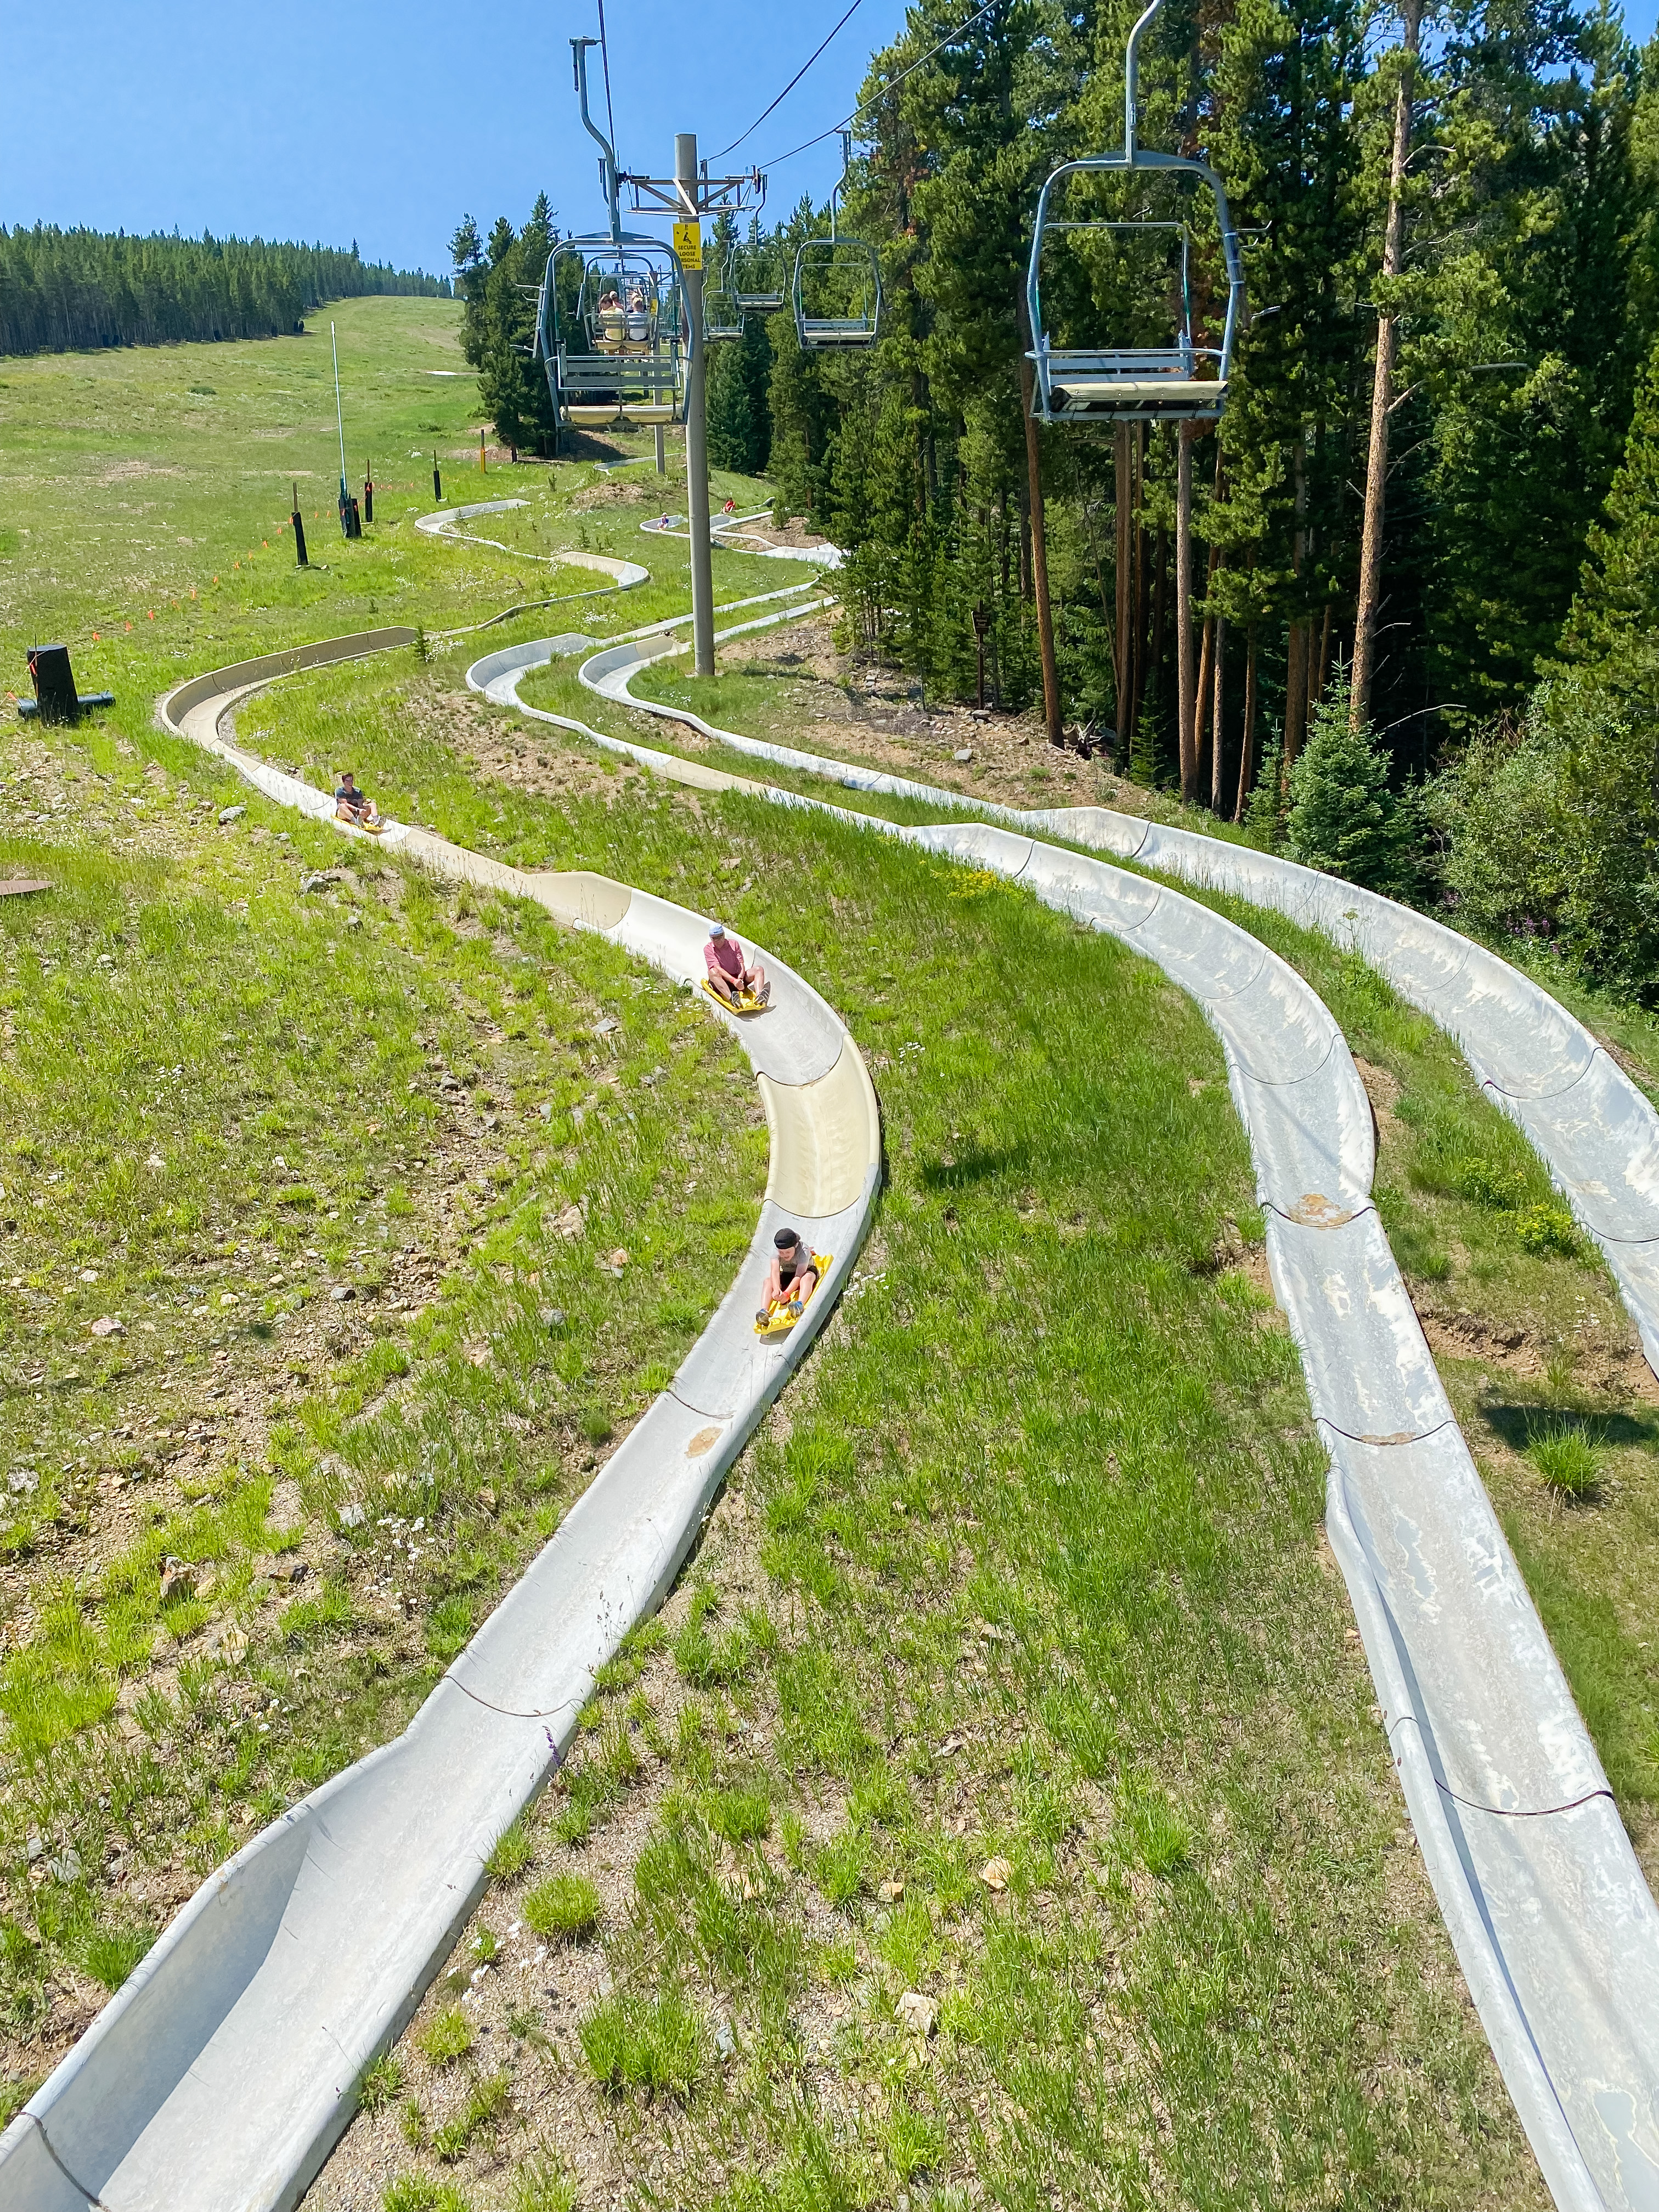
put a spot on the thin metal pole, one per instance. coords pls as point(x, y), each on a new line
point(338, 416)
point(662, 452)
point(696, 425)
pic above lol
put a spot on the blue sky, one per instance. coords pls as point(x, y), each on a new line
point(383, 122)
point(337, 119)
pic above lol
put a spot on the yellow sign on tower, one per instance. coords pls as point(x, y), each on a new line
point(687, 244)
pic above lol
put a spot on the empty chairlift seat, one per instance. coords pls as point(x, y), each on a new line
point(1082, 373)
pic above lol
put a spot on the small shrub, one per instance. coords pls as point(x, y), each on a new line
point(445, 2037)
point(488, 2102)
point(840, 1866)
point(564, 1910)
point(1162, 1839)
point(382, 2081)
point(448, 1626)
point(1545, 1229)
point(414, 2192)
point(1566, 1458)
point(14, 2093)
point(513, 1853)
point(411, 2121)
point(543, 2186)
point(112, 1954)
point(742, 1816)
point(653, 2044)
point(915, 2143)
point(1488, 1183)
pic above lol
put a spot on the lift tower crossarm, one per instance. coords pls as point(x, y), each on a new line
point(690, 197)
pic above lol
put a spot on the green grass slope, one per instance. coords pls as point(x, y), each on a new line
point(998, 1812)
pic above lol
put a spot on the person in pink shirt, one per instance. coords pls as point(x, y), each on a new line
point(729, 973)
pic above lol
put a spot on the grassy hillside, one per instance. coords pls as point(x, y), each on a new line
point(998, 1812)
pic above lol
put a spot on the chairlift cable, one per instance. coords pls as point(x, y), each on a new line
point(892, 83)
point(788, 89)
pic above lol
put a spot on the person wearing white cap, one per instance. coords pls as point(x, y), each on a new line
point(729, 973)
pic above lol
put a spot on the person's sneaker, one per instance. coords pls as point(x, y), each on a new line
point(764, 994)
point(762, 1318)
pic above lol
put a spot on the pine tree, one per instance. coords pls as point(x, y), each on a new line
point(1618, 600)
point(1344, 818)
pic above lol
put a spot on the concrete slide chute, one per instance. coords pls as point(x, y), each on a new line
point(1551, 1919)
point(219, 2077)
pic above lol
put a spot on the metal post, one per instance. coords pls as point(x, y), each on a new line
point(662, 452)
point(339, 418)
point(697, 426)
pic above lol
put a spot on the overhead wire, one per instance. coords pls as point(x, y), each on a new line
point(949, 39)
point(789, 88)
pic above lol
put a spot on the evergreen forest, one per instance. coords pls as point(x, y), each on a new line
point(1397, 612)
point(63, 289)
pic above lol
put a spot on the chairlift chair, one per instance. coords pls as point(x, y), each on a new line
point(1134, 383)
point(722, 310)
point(756, 279)
point(835, 266)
point(623, 352)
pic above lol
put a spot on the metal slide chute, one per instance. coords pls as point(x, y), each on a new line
point(612, 329)
point(1134, 377)
point(836, 287)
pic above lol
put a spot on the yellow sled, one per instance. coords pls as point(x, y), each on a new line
point(374, 828)
point(778, 1318)
point(747, 1002)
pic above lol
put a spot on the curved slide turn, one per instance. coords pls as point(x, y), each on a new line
point(219, 2077)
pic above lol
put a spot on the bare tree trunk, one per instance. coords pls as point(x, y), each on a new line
point(1247, 752)
point(1151, 669)
point(1039, 557)
point(1144, 562)
point(1296, 690)
point(1124, 674)
point(1185, 698)
point(1201, 706)
point(1217, 730)
point(1388, 347)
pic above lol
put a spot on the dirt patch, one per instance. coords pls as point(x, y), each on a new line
point(880, 717)
point(130, 471)
point(1618, 1371)
point(610, 491)
point(1382, 1089)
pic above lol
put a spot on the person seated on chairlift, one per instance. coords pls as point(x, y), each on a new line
point(792, 1278)
point(351, 805)
point(729, 973)
point(613, 323)
point(639, 318)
